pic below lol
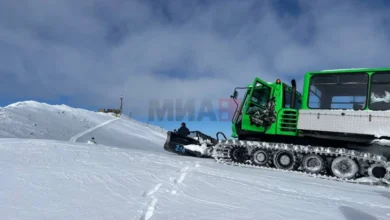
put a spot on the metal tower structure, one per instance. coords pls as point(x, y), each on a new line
point(120, 109)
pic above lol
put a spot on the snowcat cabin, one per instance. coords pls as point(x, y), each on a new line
point(345, 105)
point(267, 108)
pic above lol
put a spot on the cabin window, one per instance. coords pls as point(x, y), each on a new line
point(259, 99)
point(260, 95)
point(314, 97)
point(380, 91)
point(338, 91)
point(287, 100)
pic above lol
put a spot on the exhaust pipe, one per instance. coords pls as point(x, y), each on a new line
point(293, 95)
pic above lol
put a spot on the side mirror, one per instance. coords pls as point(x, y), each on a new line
point(235, 95)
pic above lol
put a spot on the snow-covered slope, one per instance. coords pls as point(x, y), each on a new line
point(127, 175)
point(30, 119)
point(59, 180)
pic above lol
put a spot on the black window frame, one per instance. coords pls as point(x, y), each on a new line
point(238, 113)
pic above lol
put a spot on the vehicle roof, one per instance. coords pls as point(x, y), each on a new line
point(351, 70)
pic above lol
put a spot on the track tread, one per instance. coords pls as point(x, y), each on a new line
point(222, 150)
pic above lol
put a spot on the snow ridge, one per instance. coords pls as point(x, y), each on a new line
point(34, 120)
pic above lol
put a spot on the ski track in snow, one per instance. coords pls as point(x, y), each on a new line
point(152, 191)
point(74, 138)
point(150, 211)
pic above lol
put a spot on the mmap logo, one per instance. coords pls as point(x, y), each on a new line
point(179, 109)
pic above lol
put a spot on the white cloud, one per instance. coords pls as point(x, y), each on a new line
point(96, 50)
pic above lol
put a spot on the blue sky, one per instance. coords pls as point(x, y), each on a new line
point(87, 53)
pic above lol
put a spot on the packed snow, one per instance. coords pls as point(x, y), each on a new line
point(55, 174)
point(203, 149)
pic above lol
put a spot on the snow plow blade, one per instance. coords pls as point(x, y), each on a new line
point(197, 144)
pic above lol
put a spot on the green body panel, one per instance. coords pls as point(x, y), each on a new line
point(287, 122)
point(287, 118)
point(283, 123)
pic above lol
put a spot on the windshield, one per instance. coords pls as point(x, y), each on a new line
point(260, 95)
point(259, 98)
